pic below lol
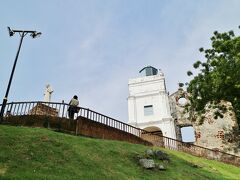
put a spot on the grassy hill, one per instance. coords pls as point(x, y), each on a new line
point(35, 153)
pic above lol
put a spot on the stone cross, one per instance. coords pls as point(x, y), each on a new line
point(47, 93)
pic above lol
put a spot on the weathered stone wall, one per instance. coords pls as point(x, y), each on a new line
point(212, 133)
point(97, 130)
point(155, 139)
point(178, 112)
point(82, 126)
point(178, 109)
point(42, 109)
point(217, 133)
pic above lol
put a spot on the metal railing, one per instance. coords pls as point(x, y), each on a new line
point(61, 110)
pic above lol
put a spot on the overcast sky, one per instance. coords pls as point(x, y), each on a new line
point(92, 47)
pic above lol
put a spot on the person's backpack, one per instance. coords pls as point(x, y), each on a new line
point(76, 109)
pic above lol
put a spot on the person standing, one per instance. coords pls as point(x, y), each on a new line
point(73, 107)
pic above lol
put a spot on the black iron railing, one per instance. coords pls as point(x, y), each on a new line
point(61, 110)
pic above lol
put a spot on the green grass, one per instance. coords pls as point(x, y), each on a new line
point(35, 153)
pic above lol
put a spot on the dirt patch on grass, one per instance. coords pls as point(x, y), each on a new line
point(3, 170)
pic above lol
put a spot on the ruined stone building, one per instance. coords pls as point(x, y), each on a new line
point(213, 133)
point(151, 108)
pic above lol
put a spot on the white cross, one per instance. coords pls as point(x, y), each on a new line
point(47, 93)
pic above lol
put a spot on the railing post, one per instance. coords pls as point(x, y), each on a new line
point(18, 108)
point(63, 110)
point(106, 121)
point(35, 111)
point(87, 113)
point(11, 106)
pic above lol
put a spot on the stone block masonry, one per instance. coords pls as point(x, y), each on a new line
point(42, 109)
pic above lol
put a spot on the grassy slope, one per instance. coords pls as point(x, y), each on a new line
point(34, 153)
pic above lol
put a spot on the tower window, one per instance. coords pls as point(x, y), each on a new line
point(148, 110)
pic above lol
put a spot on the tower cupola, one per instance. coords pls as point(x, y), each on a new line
point(149, 71)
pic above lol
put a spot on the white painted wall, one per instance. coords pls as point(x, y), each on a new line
point(150, 90)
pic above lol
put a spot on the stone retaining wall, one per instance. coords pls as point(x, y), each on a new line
point(81, 126)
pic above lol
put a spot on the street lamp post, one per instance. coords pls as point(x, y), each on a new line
point(22, 34)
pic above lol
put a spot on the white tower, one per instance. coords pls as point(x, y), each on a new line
point(148, 103)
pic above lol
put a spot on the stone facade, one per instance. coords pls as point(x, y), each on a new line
point(217, 134)
point(178, 112)
point(43, 109)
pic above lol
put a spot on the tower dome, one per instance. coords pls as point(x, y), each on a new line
point(149, 71)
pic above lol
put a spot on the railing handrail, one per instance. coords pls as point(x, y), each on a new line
point(114, 119)
point(79, 107)
point(20, 102)
point(120, 122)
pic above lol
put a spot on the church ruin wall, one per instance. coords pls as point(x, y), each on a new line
point(218, 134)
